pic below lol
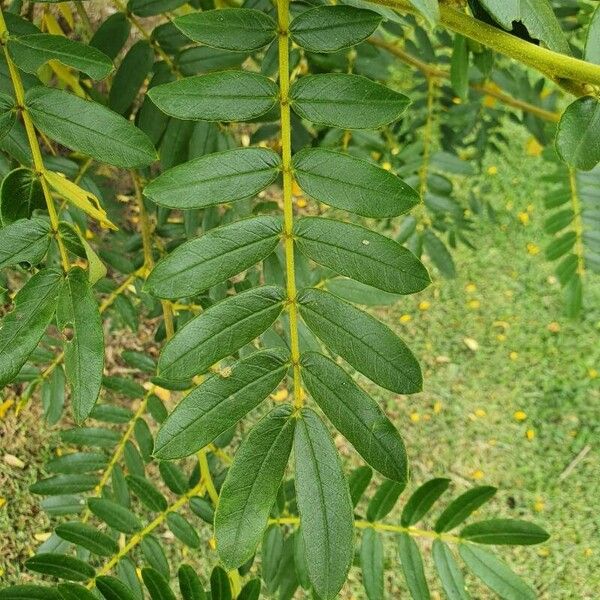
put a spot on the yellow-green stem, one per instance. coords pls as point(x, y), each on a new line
point(288, 201)
point(577, 222)
point(36, 153)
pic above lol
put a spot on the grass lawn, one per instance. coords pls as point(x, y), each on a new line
point(511, 399)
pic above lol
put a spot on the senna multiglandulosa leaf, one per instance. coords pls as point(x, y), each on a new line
point(463, 506)
point(23, 327)
point(221, 96)
point(8, 114)
point(324, 505)
point(190, 585)
point(331, 28)
point(61, 566)
point(412, 567)
point(346, 101)
point(356, 415)
point(215, 178)
point(25, 240)
point(372, 564)
point(115, 515)
point(363, 341)
point(352, 184)
point(89, 127)
point(220, 331)
point(20, 194)
point(87, 537)
point(114, 589)
point(238, 29)
point(448, 571)
point(158, 586)
point(149, 8)
point(422, 499)
point(362, 254)
point(219, 403)
point(578, 134)
point(251, 485)
point(384, 499)
point(504, 531)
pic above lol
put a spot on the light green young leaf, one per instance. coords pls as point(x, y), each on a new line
point(30, 52)
point(23, 327)
point(362, 254)
point(238, 29)
point(61, 566)
point(219, 403)
point(356, 415)
point(221, 96)
point(372, 564)
point(346, 101)
point(87, 537)
point(89, 127)
point(78, 316)
point(497, 575)
point(25, 240)
point(352, 184)
point(215, 178)
point(578, 134)
point(504, 531)
point(220, 331)
point(463, 506)
point(324, 505)
point(363, 341)
point(412, 567)
point(422, 499)
point(331, 28)
point(250, 488)
point(449, 572)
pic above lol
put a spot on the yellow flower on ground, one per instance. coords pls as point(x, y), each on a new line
point(477, 474)
point(5, 406)
point(415, 417)
point(470, 288)
point(554, 327)
point(533, 249)
point(424, 305)
point(513, 355)
point(473, 304)
point(520, 415)
point(42, 536)
point(543, 552)
point(530, 434)
point(533, 147)
point(538, 505)
point(301, 203)
point(405, 318)
point(523, 218)
point(592, 374)
point(501, 337)
point(471, 344)
point(480, 412)
point(2, 502)
point(492, 170)
point(437, 407)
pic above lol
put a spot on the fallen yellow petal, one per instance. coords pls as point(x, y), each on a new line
point(520, 415)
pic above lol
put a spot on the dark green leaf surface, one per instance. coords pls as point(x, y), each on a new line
point(221, 96)
point(220, 588)
point(372, 564)
point(64, 484)
point(8, 114)
point(362, 254)
point(29, 592)
point(158, 586)
point(331, 28)
point(89, 127)
point(183, 530)
point(239, 29)
point(352, 184)
point(87, 537)
point(24, 326)
point(75, 591)
point(495, 573)
point(78, 316)
point(251, 485)
point(216, 178)
point(220, 331)
point(149, 8)
point(346, 101)
point(463, 506)
point(190, 585)
point(60, 565)
point(220, 402)
point(25, 240)
point(448, 571)
point(20, 194)
point(358, 482)
point(412, 567)
point(90, 436)
point(113, 514)
point(366, 343)
point(324, 504)
point(112, 588)
point(147, 493)
point(422, 499)
point(112, 34)
point(356, 415)
point(30, 52)
point(77, 463)
point(578, 134)
point(217, 255)
point(504, 531)
point(384, 500)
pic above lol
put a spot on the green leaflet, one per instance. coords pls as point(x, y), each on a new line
point(422, 499)
point(251, 591)
point(29, 592)
point(190, 585)
point(439, 254)
point(358, 482)
point(217, 255)
point(363, 341)
point(495, 573)
point(412, 567)
point(251, 485)
point(238, 29)
point(384, 500)
point(356, 415)
point(219, 403)
point(372, 564)
point(53, 395)
point(112, 34)
point(155, 555)
point(429, 9)
point(352, 184)
point(20, 194)
point(90, 436)
point(331, 28)
point(592, 42)
point(220, 331)
point(220, 588)
point(147, 493)
point(359, 293)
point(362, 254)
point(504, 531)
point(463, 506)
point(75, 591)
point(64, 484)
point(448, 571)
point(78, 316)
point(8, 114)
point(536, 15)
point(324, 505)
point(24, 326)
point(87, 537)
point(459, 67)
point(158, 586)
point(114, 515)
point(25, 240)
point(183, 530)
point(30, 52)
point(89, 127)
point(578, 134)
point(112, 588)
point(221, 96)
point(60, 565)
point(346, 101)
point(215, 178)
point(77, 462)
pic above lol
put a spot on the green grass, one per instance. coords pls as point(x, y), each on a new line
point(463, 424)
